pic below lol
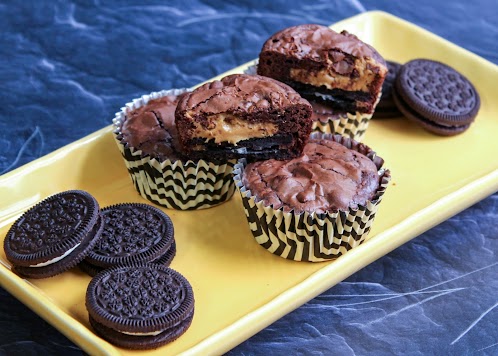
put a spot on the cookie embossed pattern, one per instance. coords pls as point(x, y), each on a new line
point(140, 306)
point(54, 235)
point(133, 233)
point(436, 96)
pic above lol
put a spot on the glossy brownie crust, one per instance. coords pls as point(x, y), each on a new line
point(151, 128)
point(322, 64)
point(243, 116)
point(328, 177)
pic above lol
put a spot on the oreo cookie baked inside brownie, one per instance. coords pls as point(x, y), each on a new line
point(145, 133)
point(325, 66)
point(243, 116)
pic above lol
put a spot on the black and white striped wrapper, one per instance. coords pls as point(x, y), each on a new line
point(352, 125)
point(306, 236)
point(177, 184)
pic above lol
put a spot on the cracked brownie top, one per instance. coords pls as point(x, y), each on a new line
point(240, 94)
point(315, 59)
point(151, 128)
point(327, 177)
point(243, 113)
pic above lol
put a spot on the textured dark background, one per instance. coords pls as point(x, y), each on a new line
point(67, 66)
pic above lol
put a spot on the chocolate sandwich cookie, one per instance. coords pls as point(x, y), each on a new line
point(386, 106)
point(140, 306)
point(54, 235)
point(133, 233)
point(321, 111)
point(243, 116)
point(165, 260)
point(436, 96)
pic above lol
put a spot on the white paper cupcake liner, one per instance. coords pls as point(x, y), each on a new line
point(174, 184)
point(313, 237)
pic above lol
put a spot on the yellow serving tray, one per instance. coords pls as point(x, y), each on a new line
point(239, 287)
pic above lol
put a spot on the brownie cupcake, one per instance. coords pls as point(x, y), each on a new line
point(315, 207)
point(243, 116)
point(335, 70)
point(146, 135)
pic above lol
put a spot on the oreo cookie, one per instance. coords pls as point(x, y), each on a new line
point(54, 235)
point(140, 306)
point(165, 260)
point(386, 108)
point(436, 96)
point(133, 233)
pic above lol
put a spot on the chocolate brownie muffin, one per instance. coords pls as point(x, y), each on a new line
point(327, 177)
point(151, 128)
point(145, 132)
point(243, 116)
point(323, 65)
point(315, 207)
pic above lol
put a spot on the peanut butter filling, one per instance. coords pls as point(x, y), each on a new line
point(228, 128)
point(332, 80)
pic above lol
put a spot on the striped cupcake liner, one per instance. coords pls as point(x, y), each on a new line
point(181, 185)
point(312, 236)
point(352, 125)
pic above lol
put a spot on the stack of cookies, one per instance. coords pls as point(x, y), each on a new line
point(430, 94)
point(134, 300)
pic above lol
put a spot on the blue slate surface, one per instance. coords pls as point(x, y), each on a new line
point(67, 66)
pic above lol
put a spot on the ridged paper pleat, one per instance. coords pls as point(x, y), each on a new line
point(181, 185)
point(310, 236)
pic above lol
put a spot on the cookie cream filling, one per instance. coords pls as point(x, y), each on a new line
point(152, 333)
point(332, 80)
point(57, 259)
point(228, 128)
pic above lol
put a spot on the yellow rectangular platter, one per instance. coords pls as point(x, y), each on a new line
point(239, 287)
